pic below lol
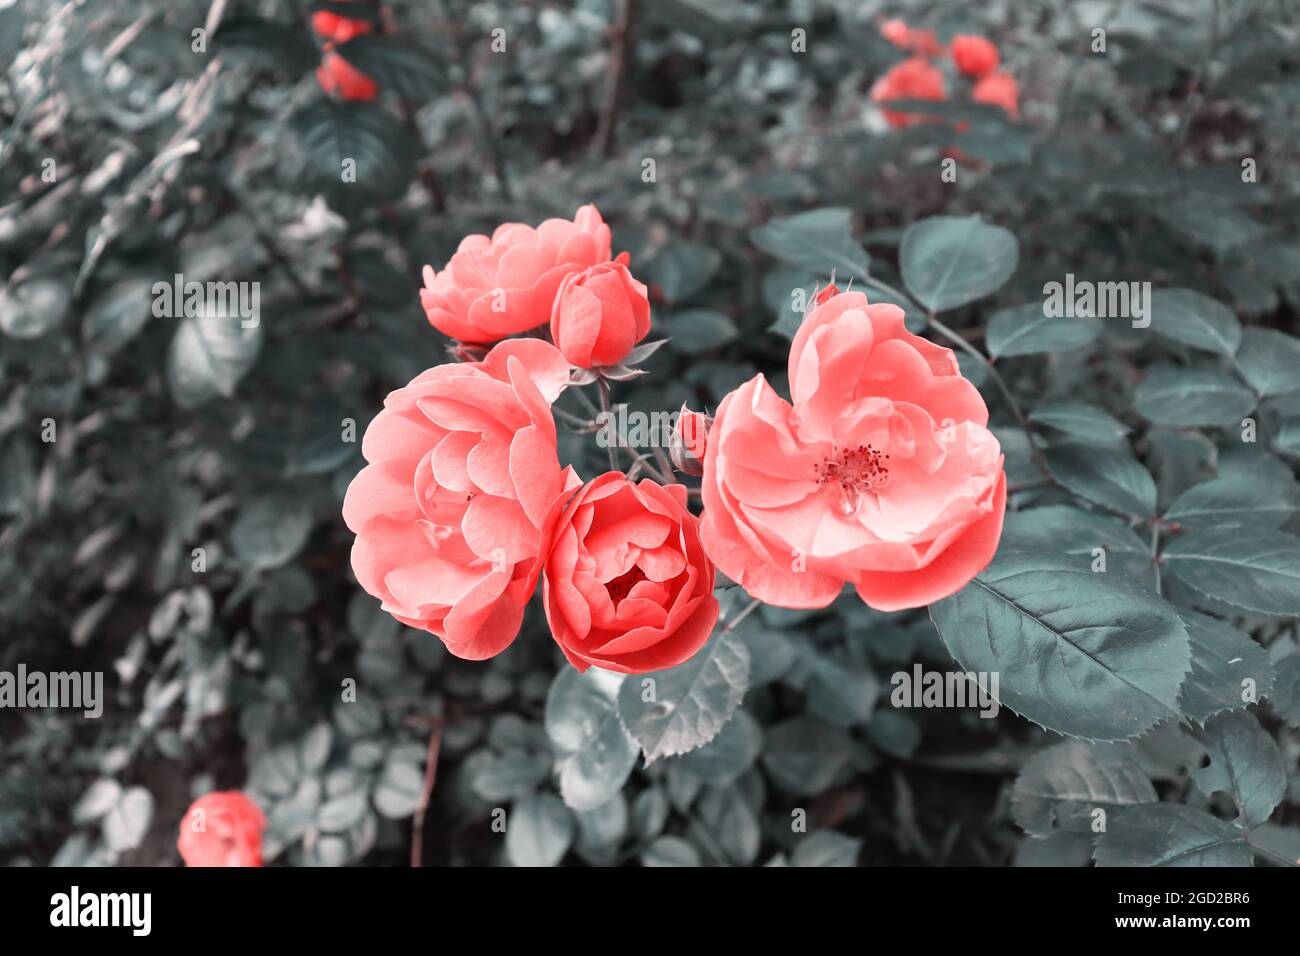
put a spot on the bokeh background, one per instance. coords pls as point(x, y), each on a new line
point(133, 148)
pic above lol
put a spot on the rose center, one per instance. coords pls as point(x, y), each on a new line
point(621, 586)
point(851, 473)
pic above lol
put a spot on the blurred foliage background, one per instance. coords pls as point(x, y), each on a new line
point(182, 533)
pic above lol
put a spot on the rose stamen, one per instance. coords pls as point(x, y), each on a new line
point(853, 472)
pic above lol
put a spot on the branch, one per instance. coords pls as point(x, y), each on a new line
point(618, 60)
point(430, 777)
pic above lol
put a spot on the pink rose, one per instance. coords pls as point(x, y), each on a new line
point(627, 585)
point(882, 473)
point(222, 829)
point(999, 89)
point(462, 473)
point(599, 314)
point(913, 79)
point(974, 56)
point(499, 286)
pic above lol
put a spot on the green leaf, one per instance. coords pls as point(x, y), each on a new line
point(1110, 477)
point(1062, 786)
point(1216, 223)
point(1170, 834)
point(33, 307)
point(1285, 697)
point(805, 756)
point(128, 821)
point(820, 241)
point(1244, 762)
point(499, 778)
point(895, 733)
point(728, 755)
point(1065, 531)
point(1288, 439)
point(271, 530)
point(674, 711)
point(118, 315)
point(1259, 571)
point(1084, 654)
point(601, 830)
point(670, 851)
point(1195, 320)
point(826, 848)
point(1254, 498)
point(699, 330)
point(398, 789)
point(1080, 421)
point(1229, 670)
point(840, 694)
point(731, 824)
point(331, 134)
point(1024, 330)
point(1188, 398)
point(343, 812)
point(1270, 361)
point(265, 44)
point(594, 752)
point(539, 831)
point(681, 269)
point(397, 64)
point(948, 261)
point(208, 357)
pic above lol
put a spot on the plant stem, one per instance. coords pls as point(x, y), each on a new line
point(602, 387)
point(618, 59)
point(1155, 552)
point(745, 612)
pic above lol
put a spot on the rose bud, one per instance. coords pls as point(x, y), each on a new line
point(222, 829)
point(599, 314)
point(974, 56)
point(689, 442)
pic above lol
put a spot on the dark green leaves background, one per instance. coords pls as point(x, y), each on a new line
point(182, 531)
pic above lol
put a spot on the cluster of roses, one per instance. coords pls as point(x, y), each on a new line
point(336, 75)
point(881, 473)
point(919, 78)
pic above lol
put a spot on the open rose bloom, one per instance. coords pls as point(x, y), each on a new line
point(504, 284)
point(881, 474)
point(627, 586)
point(448, 513)
point(222, 829)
